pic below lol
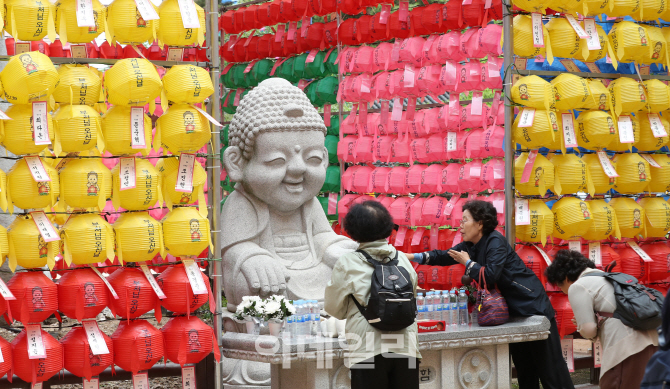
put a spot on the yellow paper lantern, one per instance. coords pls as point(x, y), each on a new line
point(19, 137)
point(4, 245)
point(186, 232)
point(648, 142)
point(601, 182)
point(171, 30)
point(182, 129)
point(26, 193)
point(126, 25)
point(630, 216)
point(627, 95)
point(596, 7)
point(658, 46)
point(30, 20)
point(3, 192)
point(187, 84)
point(621, 8)
point(116, 128)
point(657, 220)
point(651, 10)
point(570, 91)
point(27, 248)
point(523, 39)
point(605, 49)
point(541, 177)
point(605, 223)
point(532, 5)
point(170, 170)
point(600, 96)
point(88, 238)
point(572, 174)
point(634, 173)
point(572, 218)
point(630, 41)
point(534, 92)
point(85, 183)
point(78, 128)
point(564, 40)
point(132, 81)
point(570, 7)
point(147, 190)
point(541, 223)
point(660, 178)
point(139, 237)
point(544, 131)
point(595, 129)
point(29, 77)
point(616, 144)
point(68, 28)
point(658, 95)
point(78, 84)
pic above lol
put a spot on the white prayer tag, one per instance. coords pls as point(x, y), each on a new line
point(605, 162)
point(146, 9)
point(44, 226)
point(189, 15)
point(651, 160)
point(577, 27)
point(78, 51)
point(575, 245)
point(152, 281)
point(396, 113)
point(94, 383)
point(451, 141)
point(127, 173)
point(595, 254)
point(593, 42)
point(657, 128)
point(569, 130)
point(137, 140)
point(520, 63)
point(5, 292)
point(597, 353)
point(544, 255)
point(476, 105)
point(408, 76)
point(36, 348)
point(592, 67)
point(188, 377)
point(40, 123)
point(522, 212)
point(85, 16)
point(175, 54)
point(185, 173)
point(538, 31)
point(626, 134)
point(208, 116)
point(3, 116)
point(645, 257)
point(37, 169)
point(95, 339)
point(141, 381)
point(109, 286)
point(568, 356)
point(195, 277)
point(527, 117)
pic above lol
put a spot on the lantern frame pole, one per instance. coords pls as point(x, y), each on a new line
point(214, 169)
point(508, 52)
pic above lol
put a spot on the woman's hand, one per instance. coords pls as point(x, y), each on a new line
point(461, 257)
point(410, 256)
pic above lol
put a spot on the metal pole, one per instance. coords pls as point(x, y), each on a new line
point(508, 52)
point(214, 168)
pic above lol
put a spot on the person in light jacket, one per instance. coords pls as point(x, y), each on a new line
point(378, 359)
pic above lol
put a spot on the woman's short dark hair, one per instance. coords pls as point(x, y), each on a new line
point(567, 264)
point(485, 212)
point(368, 221)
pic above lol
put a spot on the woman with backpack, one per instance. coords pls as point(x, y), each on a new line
point(351, 294)
point(485, 251)
point(625, 350)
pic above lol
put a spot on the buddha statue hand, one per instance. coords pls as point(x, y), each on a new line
point(335, 251)
point(264, 275)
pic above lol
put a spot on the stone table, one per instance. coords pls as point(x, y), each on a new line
point(472, 358)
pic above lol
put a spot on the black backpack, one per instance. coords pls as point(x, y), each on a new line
point(392, 305)
point(637, 306)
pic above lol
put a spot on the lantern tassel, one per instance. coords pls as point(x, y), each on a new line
point(51, 26)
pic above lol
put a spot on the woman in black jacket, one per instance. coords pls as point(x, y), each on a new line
point(484, 248)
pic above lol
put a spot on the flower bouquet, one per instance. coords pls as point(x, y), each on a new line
point(254, 310)
point(277, 309)
point(250, 311)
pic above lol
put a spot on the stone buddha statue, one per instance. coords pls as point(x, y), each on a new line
point(275, 236)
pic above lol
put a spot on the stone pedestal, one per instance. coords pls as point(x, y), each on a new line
point(475, 358)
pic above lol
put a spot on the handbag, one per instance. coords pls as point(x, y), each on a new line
point(491, 305)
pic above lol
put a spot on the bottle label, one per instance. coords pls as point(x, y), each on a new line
point(464, 305)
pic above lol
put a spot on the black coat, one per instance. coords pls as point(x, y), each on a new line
point(521, 288)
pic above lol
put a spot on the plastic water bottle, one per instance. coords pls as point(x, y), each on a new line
point(299, 319)
point(421, 307)
point(463, 316)
point(437, 299)
point(307, 313)
point(316, 318)
point(446, 307)
point(429, 306)
point(454, 309)
point(290, 326)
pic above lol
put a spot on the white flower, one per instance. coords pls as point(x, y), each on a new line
point(290, 308)
point(272, 307)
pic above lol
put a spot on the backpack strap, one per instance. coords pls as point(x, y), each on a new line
point(393, 262)
point(599, 314)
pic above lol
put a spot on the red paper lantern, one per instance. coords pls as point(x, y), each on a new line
point(416, 16)
point(564, 314)
point(179, 297)
point(454, 275)
point(473, 13)
point(631, 263)
point(188, 340)
point(137, 345)
point(36, 297)
point(330, 34)
point(226, 50)
point(79, 360)
point(136, 297)
point(328, 6)
point(6, 364)
point(398, 28)
point(347, 34)
point(453, 13)
point(445, 239)
point(609, 255)
point(533, 260)
point(263, 16)
point(378, 31)
point(36, 370)
point(227, 22)
point(660, 254)
point(81, 294)
point(238, 20)
point(423, 275)
point(108, 51)
point(249, 17)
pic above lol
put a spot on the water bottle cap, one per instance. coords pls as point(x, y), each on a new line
point(420, 294)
